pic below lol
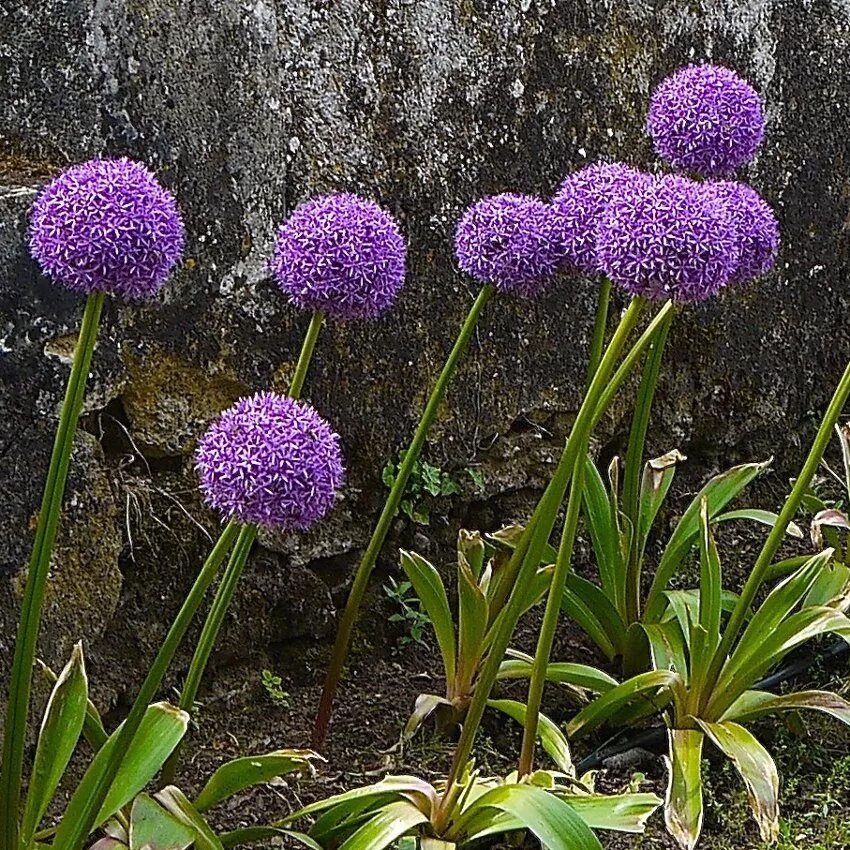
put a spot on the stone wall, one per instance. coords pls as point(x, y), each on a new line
point(246, 107)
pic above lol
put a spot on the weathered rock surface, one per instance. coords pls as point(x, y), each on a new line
point(244, 109)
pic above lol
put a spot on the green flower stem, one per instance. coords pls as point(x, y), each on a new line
point(209, 635)
point(580, 439)
point(530, 550)
point(634, 465)
point(307, 348)
point(233, 572)
point(765, 559)
point(370, 556)
point(597, 342)
point(20, 682)
point(147, 692)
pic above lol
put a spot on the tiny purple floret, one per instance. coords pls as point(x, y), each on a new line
point(581, 200)
point(706, 119)
point(756, 224)
point(272, 461)
point(108, 226)
point(514, 242)
point(666, 238)
point(341, 254)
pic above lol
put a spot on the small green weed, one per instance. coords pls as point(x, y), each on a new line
point(410, 614)
point(273, 685)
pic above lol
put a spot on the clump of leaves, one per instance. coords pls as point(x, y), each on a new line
point(273, 685)
point(426, 480)
point(410, 614)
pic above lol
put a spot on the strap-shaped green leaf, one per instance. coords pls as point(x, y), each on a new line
point(161, 729)
point(604, 534)
point(423, 708)
point(551, 737)
point(60, 732)
point(667, 647)
point(683, 809)
point(472, 618)
point(242, 773)
point(640, 687)
point(757, 769)
point(431, 591)
point(553, 821)
point(176, 802)
point(154, 828)
point(618, 812)
point(385, 826)
point(519, 665)
point(658, 475)
point(253, 834)
point(582, 598)
point(754, 704)
point(718, 492)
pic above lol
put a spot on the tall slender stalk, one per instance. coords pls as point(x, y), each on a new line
point(209, 635)
point(634, 464)
point(762, 566)
point(597, 342)
point(20, 682)
point(580, 436)
point(233, 571)
point(127, 731)
point(370, 556)
point(532, 543)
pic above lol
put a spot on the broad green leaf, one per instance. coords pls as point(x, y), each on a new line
point(768, 518)
point(667, 647)
point(684, 605)
point(683, 806)
point(242, 773)
point(93, 729)
point(179, 805)
point(619, 812)
point(161, 729)
point(754, 704)
point(253, 834)
point(153, 828)
point(562, 673)
point(757, 769)
point(555, 824)
point(603, 608)
point(718, 492)
point(423, 708)
point(551, 737)
point(471, 549)
point(658, 475)
point(711, 582)
point(538, 586)
point(102, 844)
point(586, 618)
point(60, 732)
point(403, 786)
point(604, 533)
point(472, 618)
point(429, 588)
point(831, 587)
point(641, 687)
point(385, 826)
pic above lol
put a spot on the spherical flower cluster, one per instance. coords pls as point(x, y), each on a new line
point(340, 254)
point(270, 460)
point(107, 225)
point(706, 119)
point(514, 242)
point(666, 238)
point(581, 200)
point(755, 224)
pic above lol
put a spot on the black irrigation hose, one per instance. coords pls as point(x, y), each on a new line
point(654, 739)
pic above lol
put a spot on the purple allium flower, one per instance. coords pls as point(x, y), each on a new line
point(666, 238)
point(340, 254)
point(107, 225)
point(758, 230)
point(513, 241)
point(581, 200)
point(706, 119)
point(270, 460)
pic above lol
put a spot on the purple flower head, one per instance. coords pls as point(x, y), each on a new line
point(107, 225)
point(514, 242)
point(666, 238)
point(581, 200)
point(758, 230)
point(340, 254)
point(706, 119)
point(270, 460)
